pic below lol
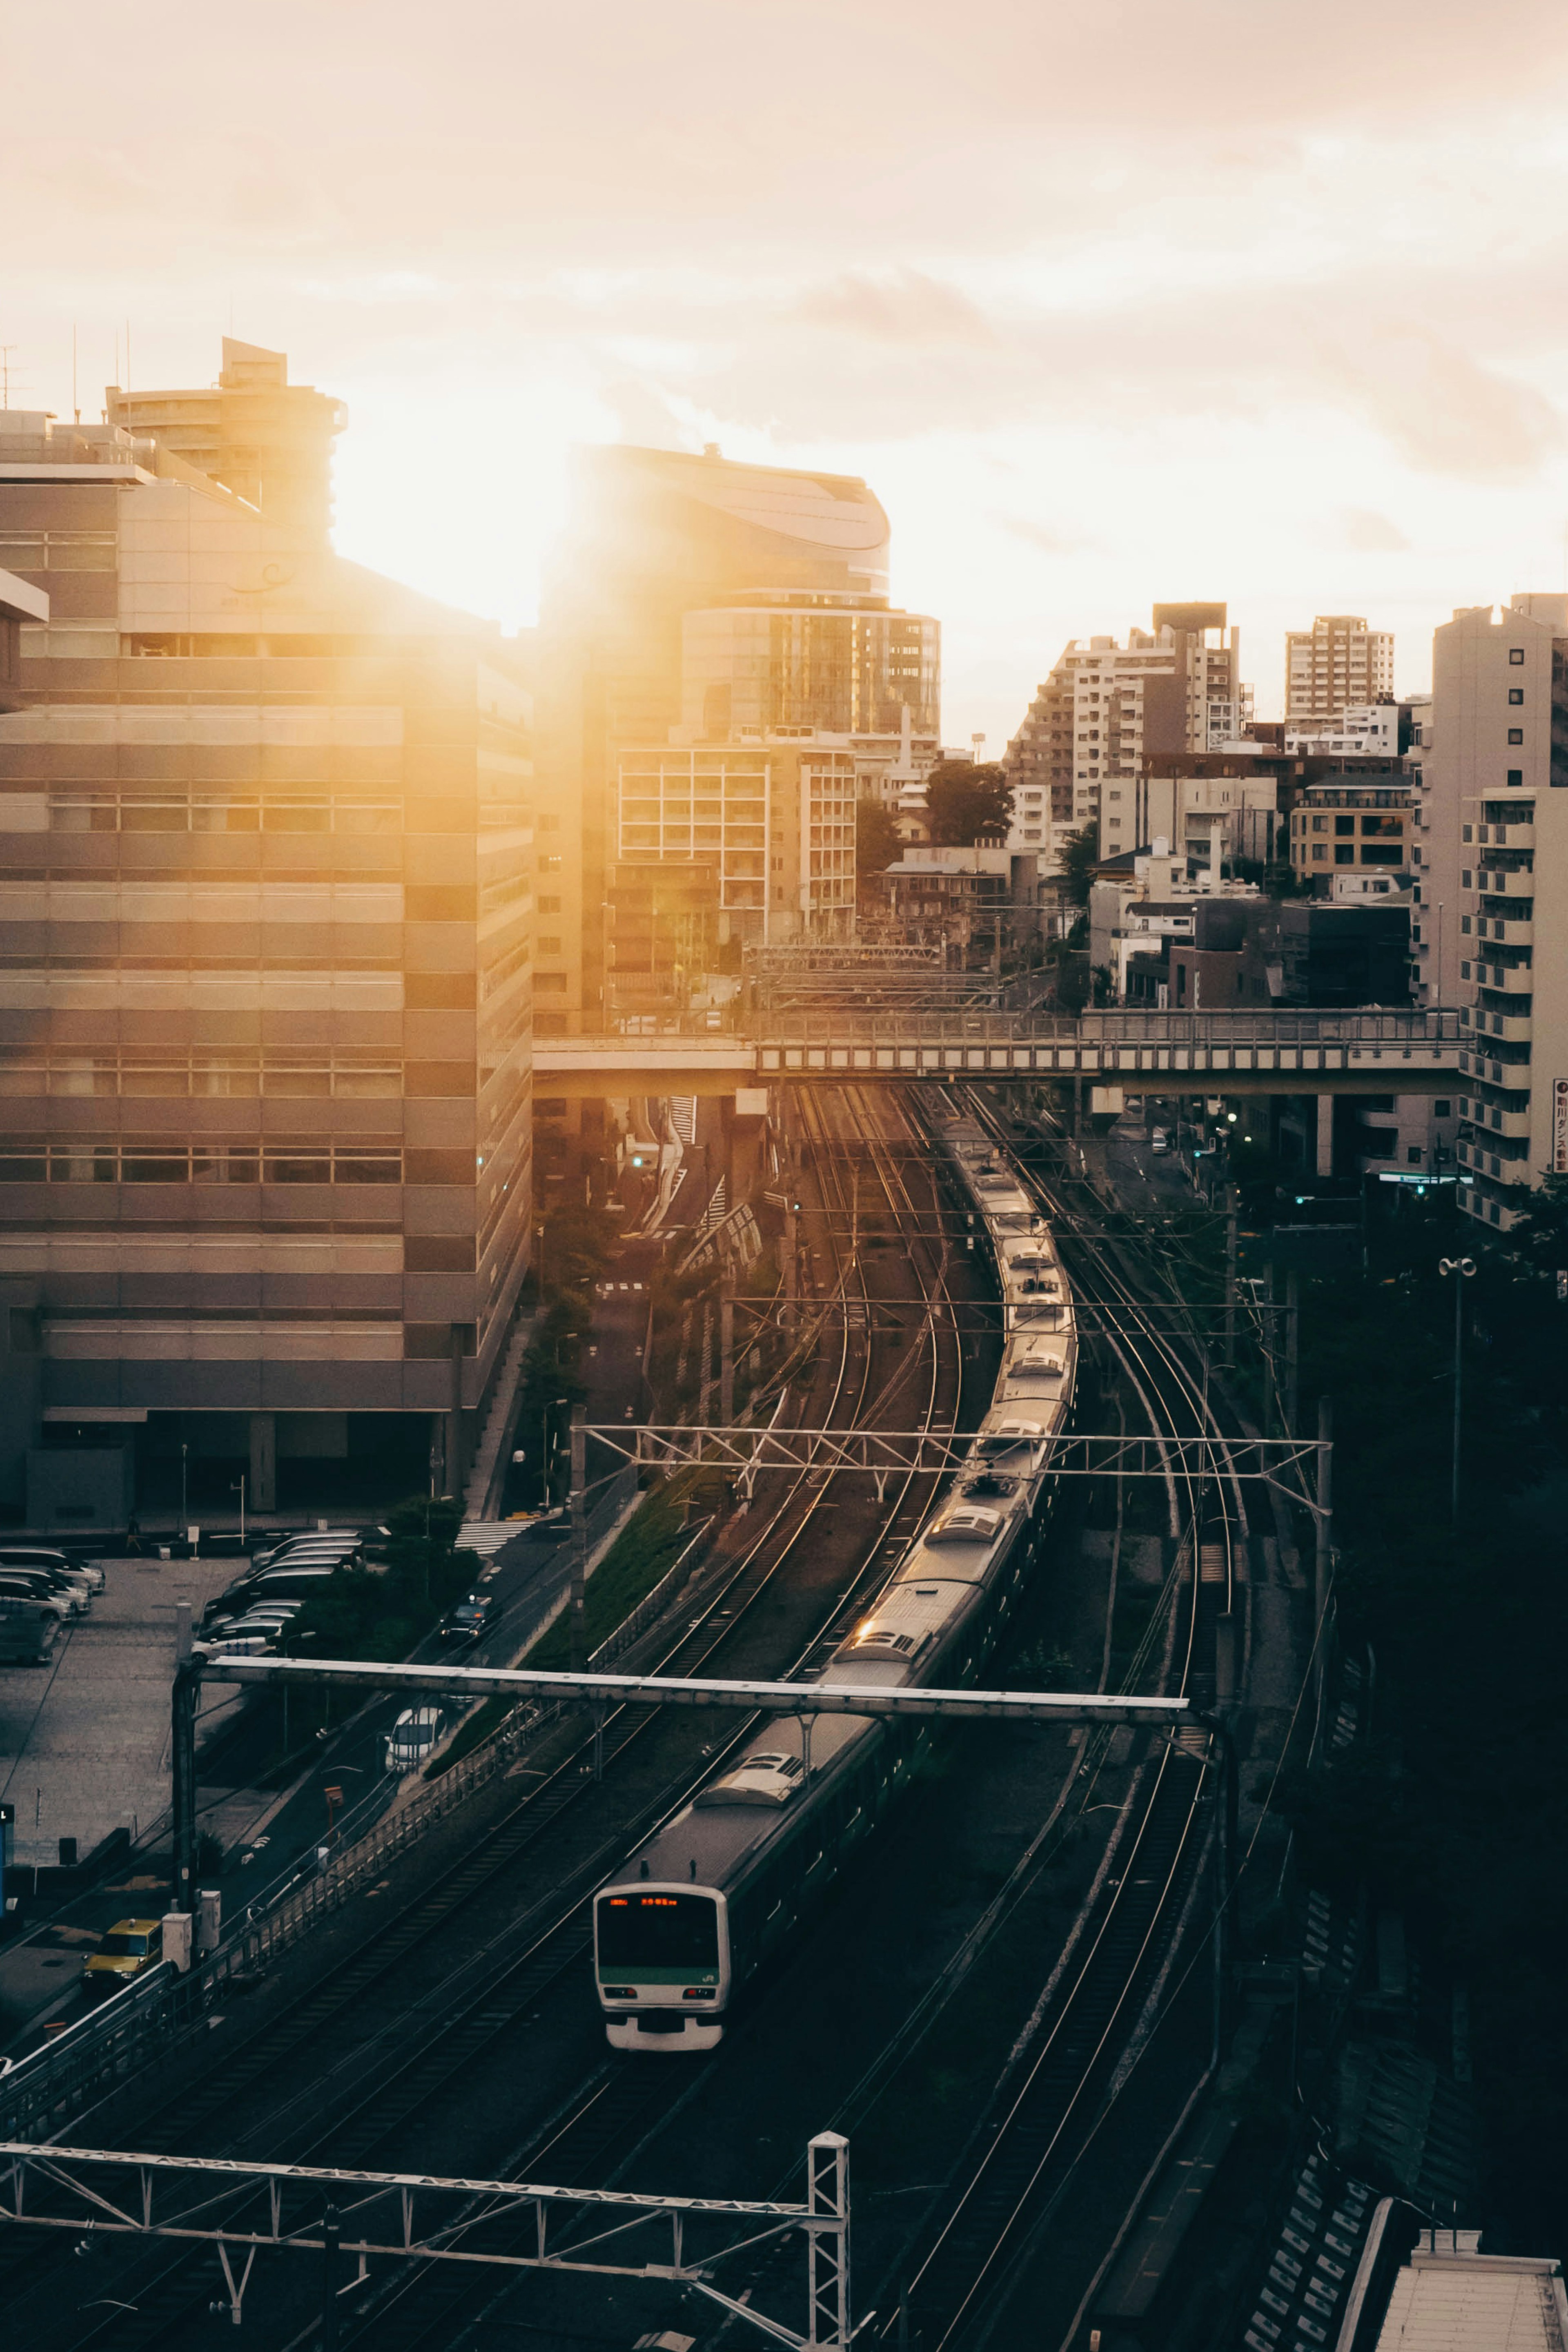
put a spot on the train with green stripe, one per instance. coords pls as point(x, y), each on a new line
point(704, 1904)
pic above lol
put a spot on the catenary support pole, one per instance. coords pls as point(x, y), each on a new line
point(1293, 1346)
point(579, 1542)
point(1323, 1548)
point(331, 2238)
point(828, 2242)
point(1230, 1248)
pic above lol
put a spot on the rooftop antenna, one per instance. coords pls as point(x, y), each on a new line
point(5, 351)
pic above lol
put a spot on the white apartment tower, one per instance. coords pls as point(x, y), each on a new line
point(1106, 709)
point(1493, 864)
point(1337, 665)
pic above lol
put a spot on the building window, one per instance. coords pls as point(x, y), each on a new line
point(1516, 694)
point(1516, 775)
point(1516, 734)
point(1516, 655)
point(1344, 852)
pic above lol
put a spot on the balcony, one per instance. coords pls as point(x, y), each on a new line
point(1507, 836)
point(1512, 979)
point(1505, 881)
point(1509, 1028)
point(1514, 933)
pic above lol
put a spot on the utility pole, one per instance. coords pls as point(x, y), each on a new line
point(1292, 1345)
point(789, 1269)
point(579, 1542)
point(331, 2238)
point(1230, 1248)
point(183, 1760)
point(727, 1354)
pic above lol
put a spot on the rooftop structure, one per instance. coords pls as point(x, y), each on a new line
point(269, 441)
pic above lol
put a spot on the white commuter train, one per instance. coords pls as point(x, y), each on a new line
point(707, 1900)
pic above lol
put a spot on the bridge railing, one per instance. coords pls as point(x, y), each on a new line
point(1358, 1025)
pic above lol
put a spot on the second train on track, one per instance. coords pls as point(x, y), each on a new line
point(706, 1901)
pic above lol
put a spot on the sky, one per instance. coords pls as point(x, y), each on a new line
point(1109, 303)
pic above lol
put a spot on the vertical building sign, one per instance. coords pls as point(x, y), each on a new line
point(1560, 1128)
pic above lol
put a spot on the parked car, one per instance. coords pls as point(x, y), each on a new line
point(28, 1630)
point(257, 1629)
point(295, 1581)
point(62, 1573)
point(412, 1737)
point(471, 1620)
point(130, 1947)
point(86, 1571)
point(1159, 1141)
point(27, 1584)
point(271, 1553)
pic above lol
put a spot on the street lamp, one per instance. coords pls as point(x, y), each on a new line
point(1461, 1268)
point(544, 1449)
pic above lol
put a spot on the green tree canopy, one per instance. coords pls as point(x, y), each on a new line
point(965, 803)
point(877, 842)
point(1080, 855)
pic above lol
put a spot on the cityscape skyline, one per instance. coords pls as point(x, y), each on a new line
point(1209, 335)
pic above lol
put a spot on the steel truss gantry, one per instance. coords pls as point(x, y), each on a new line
point(880, 1453)
point(243, 2209)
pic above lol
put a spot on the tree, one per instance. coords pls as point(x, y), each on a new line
point(1080, 855)
point(964, 802)
point(877, 842)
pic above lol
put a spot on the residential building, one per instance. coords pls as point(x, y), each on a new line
point(721, 846)
point(1337, 665)
point(1234, 797)
point(1142, 901)
point(1171, 690)
point(693, 603)
point(266, 439)
point(265, 850)
point(1369, 730)
point(1493, 846)
point(977, 903)
point(1354, 824)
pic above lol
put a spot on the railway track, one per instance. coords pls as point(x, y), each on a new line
point(487, 1994)
point(966, 2265)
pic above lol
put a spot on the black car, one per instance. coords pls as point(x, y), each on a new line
point(471, 1620)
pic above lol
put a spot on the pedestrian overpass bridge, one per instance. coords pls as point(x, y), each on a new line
point(1279, 1051)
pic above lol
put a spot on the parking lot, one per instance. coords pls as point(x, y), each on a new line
point(84, 1741)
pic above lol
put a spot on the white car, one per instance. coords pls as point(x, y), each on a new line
point(1159, 1141)
point(412, 1737)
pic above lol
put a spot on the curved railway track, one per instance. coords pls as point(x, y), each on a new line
point(496, 1984)
point(977, 2244)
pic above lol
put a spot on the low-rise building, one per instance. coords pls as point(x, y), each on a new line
point(982, 902)
point(1346, 823)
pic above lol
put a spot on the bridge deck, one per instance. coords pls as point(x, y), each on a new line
point(1362, 1052)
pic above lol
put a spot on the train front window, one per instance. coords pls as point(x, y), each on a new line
point(657, 1931)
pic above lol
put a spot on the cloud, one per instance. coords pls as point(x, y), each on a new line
point(1372, 534)
point(1043, 535)
point(905, 308)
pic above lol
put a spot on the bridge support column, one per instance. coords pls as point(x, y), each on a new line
point(1325, 1160)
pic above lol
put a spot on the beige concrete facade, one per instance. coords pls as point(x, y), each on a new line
point(1494, 870)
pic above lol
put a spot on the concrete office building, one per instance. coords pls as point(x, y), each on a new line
point(265, 1047)
point(1337, 665)
point(1105, 709)
point(1493, 847)
point(266, 439)
point(694, 603)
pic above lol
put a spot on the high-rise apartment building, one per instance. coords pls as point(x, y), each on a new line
point(266, 439)
point(1105, 709)
point(694, 603)
point(1337, 665)
point(1493, 848)
point(265, 1044)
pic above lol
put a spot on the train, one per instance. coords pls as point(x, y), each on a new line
point(702, 1904)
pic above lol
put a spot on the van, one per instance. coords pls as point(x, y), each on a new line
point(297, 1579)
point(130, 1947)
point(25, 1585)
point(28, 1630)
